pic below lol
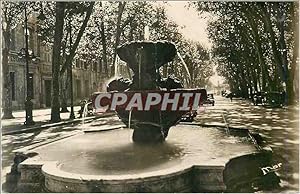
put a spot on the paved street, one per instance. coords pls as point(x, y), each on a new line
point(277, 126)
point(40, 117)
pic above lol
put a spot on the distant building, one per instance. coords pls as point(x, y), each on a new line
point(87, 78)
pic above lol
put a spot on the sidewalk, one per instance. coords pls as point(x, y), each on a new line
point(242, 114)
point(41, 118)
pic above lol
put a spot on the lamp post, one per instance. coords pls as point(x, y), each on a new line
point(28, 103)
point(28, 55)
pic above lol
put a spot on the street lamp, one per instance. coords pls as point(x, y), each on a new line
point(25, 52)
point(28, 54)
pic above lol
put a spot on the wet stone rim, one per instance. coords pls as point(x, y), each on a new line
point(176, 179)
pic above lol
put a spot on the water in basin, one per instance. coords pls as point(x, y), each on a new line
point(114, 153)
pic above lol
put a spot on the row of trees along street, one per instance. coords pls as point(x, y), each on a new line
point(92, 31)
point(256, 45)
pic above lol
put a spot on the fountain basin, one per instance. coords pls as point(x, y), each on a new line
point(153, 54)
point(191, 160)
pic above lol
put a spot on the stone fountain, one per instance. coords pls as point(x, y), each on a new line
point(145, 59)
point(194, 158)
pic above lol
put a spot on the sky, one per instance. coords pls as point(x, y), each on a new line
point(194, 27)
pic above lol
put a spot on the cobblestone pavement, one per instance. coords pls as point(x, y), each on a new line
point(278, 126)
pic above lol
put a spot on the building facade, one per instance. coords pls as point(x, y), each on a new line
point(87, 78)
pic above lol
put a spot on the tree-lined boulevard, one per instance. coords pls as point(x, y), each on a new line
point(256, 45)
point(255, 49)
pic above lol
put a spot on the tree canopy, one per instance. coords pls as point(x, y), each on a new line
point(255, 44)
point(92, 31)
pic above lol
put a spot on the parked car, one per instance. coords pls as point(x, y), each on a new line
point(228, 95)
point(258, 98)
point(236, 94)
point(274, 99)
point(189, 117)
point(269, 99)
point(224, 93)
point(210, 99)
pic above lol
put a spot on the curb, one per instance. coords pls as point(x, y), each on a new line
point(106, 129)
point(46, 126)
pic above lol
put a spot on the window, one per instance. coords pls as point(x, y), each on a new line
point(85, 65)
point(94, 87)
point(78, 89)
point(13, 40)
point(31, 39)
point(46, 57)
point(95, 66)
point(13, 85)
point(100, 65)
point(86, 88)
point(77, 63)
point(38, 45)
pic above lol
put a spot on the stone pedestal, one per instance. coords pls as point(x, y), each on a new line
point(32, 178)
point(147, 135)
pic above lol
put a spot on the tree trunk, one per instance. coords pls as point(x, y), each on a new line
point(63, 82)
point(79, 35)
point(280, 59)
point(104, 47)
point(250, 67)
point(249, 79)
point(276, 54)
point(291, 79)
point(6, 95)
point(244, 88)
point(118, 33)
point(254, 78)
point(288, 75)
point(257, 43)
point(56, 59)
point(64, 86)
